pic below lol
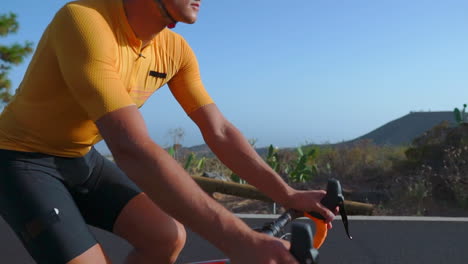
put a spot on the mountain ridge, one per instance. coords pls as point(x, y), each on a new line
point(400, 131)
point(403, 130)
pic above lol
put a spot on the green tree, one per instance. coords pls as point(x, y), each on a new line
point(10, 55)
point(460, 116)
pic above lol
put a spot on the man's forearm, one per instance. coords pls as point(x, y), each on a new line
point(172, 189)
point(233, 149)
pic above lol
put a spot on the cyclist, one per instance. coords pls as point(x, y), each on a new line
point(96, 63)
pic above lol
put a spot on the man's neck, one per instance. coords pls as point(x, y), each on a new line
point(145, 19)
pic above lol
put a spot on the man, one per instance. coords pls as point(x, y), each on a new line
point(97, 62)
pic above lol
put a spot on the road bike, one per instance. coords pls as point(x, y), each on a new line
point(304, 246)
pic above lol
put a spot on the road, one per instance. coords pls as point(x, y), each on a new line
point(376, 240)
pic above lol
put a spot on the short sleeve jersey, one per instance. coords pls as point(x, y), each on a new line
point(88, 63)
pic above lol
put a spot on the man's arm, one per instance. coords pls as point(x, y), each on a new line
point(234, 150)
point(173, 190)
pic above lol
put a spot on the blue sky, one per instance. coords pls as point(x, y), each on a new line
point(307, 71)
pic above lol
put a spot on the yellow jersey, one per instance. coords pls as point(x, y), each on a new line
point(88, 63)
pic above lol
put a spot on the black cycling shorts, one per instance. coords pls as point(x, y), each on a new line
point(48, 201)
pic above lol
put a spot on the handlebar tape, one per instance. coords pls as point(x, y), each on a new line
point(321, 231)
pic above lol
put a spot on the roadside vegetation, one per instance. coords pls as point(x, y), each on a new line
point(427, 177)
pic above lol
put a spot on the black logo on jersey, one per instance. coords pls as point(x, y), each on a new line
point(157, 74)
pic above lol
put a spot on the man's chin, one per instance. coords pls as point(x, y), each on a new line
point(190, 20)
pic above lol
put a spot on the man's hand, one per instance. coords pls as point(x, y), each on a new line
point(307, 201)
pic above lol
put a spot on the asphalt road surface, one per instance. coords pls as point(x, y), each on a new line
point(376, 240)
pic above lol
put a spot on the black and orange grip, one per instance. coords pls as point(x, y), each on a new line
point(333, 199)
point(321, 231)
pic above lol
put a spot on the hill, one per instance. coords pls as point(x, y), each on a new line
point(398, 132)
point(403, 130)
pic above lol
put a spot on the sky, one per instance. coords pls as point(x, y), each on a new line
point(296, 72)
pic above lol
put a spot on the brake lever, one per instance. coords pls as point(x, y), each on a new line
point(334, 198)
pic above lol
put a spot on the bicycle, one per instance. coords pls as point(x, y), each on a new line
point(304, 246)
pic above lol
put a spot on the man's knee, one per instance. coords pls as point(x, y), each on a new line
point(177, 242)
point(168, 247)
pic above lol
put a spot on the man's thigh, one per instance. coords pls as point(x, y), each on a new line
point(111, 201)
point(105, 194)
